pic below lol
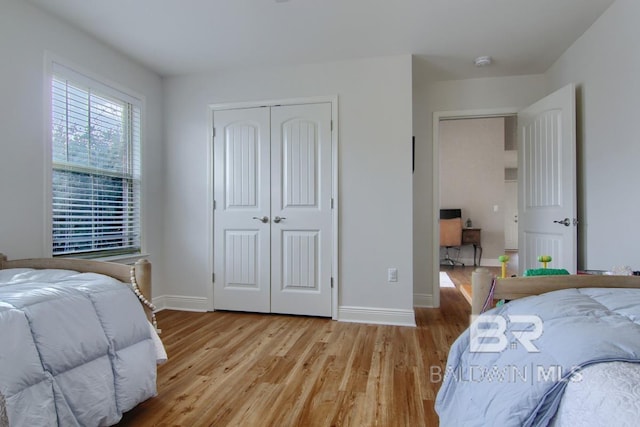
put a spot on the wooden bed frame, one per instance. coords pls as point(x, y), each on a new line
point(121, 272)
point(519, 287)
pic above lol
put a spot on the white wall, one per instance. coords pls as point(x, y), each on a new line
point(605, 65)
point(375, 127)
point(472, 179)
point(430, 97)
point(375, 200)
point(25, 34)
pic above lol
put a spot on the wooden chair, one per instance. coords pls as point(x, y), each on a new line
point(451, 235)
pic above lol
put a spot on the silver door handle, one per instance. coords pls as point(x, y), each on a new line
point(566, 222)
point(264, 219)
point(278, 219)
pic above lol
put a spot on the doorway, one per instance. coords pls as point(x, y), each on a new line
point(474, 160)
point(487, 211)
point(547, 219)
point(274, 210)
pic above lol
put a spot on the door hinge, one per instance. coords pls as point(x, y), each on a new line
point(214, 132)
point(214, 205)
point(332, 203)
point(213, 277)
point(332, 283)
point(331, 125)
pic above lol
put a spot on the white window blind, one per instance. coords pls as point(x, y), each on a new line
point(95, 167)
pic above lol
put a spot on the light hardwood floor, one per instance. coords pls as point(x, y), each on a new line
point(242, 369)
point(461, 277)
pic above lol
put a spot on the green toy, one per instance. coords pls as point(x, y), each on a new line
point(544, 271)
point(544, 259)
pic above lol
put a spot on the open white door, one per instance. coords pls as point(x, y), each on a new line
point(243, 205)
point(547, 213)
point(301, 232)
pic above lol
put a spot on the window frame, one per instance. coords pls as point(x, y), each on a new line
point(80, 75)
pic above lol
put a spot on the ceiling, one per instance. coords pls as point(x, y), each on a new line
point(174, 37)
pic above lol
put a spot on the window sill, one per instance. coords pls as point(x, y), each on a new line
point(128, 259)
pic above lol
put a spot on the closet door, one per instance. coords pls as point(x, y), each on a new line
point(273, 219)
point(242, 213)
point(301, 229)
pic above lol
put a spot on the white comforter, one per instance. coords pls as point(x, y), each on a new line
point(604, 394)
point(75, 349)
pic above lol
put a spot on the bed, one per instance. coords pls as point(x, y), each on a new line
point(79, 342)
point(563, 351)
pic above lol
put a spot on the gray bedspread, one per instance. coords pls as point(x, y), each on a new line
point(516, 386)
point(75, 349)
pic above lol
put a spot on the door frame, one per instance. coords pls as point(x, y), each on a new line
point(333, 100)
point(435, 203)
point(511, 181)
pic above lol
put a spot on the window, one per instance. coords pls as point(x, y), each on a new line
point(95, 178)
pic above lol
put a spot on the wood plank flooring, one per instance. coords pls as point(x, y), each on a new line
point(242, 369)
point(461, 277)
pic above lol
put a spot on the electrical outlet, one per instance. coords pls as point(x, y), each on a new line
point(392, 275)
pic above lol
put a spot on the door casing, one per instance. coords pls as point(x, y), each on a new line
point(333, 99)
point(511, 215)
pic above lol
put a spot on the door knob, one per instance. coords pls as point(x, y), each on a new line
point(264, 219)
point(566, 222)
point(278, 219)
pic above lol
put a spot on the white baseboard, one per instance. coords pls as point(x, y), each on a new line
point(493, 262)
point(183, 303)
point(468, 262)
point(423, 300)
point(381, 316)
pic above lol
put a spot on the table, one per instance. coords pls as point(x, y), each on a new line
point(471, 236)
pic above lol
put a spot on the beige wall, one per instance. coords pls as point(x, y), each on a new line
point(472, 179)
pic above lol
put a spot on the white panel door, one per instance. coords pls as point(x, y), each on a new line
point(273, 220)
point(241, 216)
point(547, 182)
point(301, 231)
